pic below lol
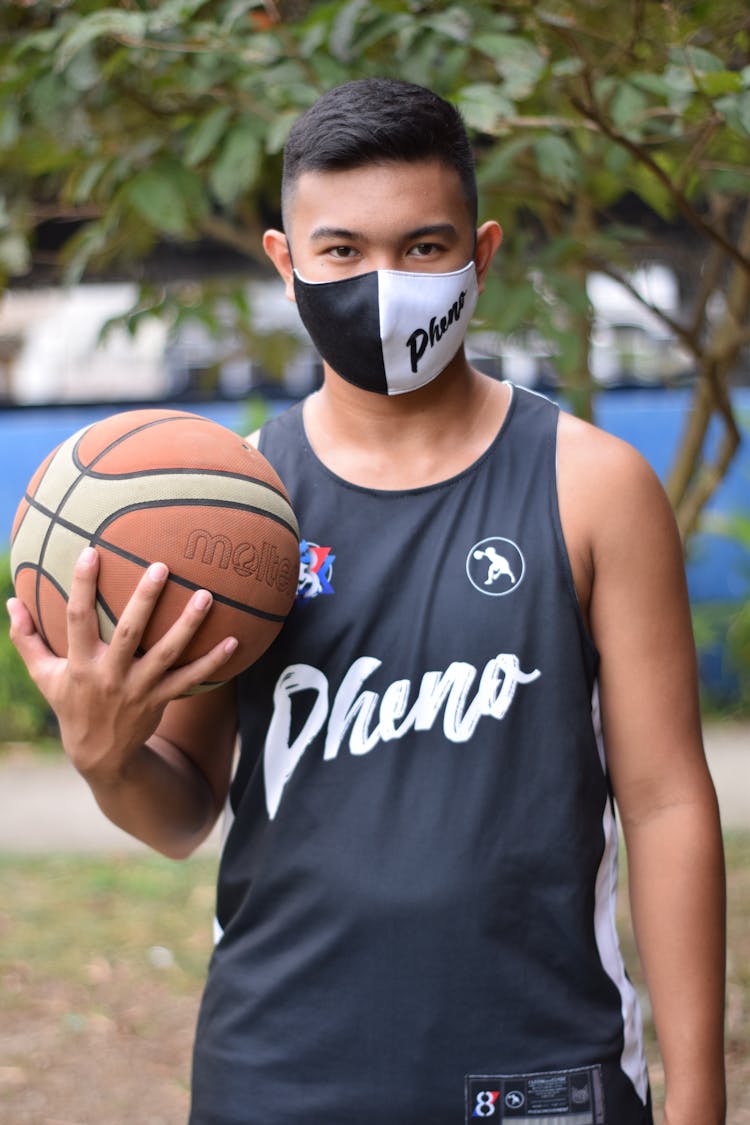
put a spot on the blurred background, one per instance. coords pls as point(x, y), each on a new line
point(140, 159)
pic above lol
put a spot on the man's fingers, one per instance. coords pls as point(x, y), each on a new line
point(82, 622)
point(135, 617)
point(21, 623)
point(206, 669)
point(29, 645)
point(168, 650)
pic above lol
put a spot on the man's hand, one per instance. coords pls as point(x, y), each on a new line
point(109, 702)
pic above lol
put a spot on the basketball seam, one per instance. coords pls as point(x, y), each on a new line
point(178, 417)
point(196, 502)
point(188, 584)
point(40, 573)
point(56, 520)
point(196, 470)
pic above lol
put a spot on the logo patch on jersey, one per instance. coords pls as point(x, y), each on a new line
point(495, 566)
point(315, 570)
point(553, 1097)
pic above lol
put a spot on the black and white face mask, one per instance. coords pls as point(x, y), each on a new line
point(389, 331)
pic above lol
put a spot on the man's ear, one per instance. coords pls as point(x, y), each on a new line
point(277, 248)
point(489, 237)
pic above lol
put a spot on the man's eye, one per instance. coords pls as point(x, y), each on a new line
point(424, 249)
point(342, 251)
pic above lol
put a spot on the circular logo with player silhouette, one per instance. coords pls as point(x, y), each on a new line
point(495, 566)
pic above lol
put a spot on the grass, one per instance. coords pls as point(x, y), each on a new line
point(67, 911)
point(102, 965)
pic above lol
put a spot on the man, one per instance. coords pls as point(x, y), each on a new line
point(416, 899)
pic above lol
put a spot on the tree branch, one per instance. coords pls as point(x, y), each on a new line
point(688, 336)
point(683, 204)
point(248, 240)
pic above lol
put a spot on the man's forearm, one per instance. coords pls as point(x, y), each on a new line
point(160, 797)
point(677, 894)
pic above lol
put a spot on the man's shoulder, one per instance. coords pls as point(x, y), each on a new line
point(609, 494)
point(604, 459)
point(280, 421)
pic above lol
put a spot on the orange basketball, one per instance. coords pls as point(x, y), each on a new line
point(160, 486)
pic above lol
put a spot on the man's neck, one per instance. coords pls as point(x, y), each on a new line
point(406, 441)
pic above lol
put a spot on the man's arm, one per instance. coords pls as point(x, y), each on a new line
point(640, 622)
point(158, 765)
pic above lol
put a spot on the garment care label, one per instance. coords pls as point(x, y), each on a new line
point(553, 1097)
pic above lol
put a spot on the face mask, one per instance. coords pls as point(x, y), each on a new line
point(389, 331)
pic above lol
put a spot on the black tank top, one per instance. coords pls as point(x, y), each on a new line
point(417, 890)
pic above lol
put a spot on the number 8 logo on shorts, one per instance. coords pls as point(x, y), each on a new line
point(485, 1103)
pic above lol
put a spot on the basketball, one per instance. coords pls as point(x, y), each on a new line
point(165, 486)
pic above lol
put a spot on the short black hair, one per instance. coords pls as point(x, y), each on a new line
point(377, 121)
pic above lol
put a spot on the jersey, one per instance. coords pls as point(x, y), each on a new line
point(417, 888)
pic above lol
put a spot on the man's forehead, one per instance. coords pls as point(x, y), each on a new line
point(409, 196)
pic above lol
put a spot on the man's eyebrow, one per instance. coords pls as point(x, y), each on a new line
point(445, 230)
point(321, 233)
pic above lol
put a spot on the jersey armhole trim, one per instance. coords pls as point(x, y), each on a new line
point(562, 547)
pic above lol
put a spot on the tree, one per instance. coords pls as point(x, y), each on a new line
point(162, 121)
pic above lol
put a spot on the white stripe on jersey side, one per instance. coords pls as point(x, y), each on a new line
point(226, 826)
point(633, 1060)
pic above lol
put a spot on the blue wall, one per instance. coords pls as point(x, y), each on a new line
point(651, 420)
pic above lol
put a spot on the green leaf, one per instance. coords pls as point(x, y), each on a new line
point(516, 60)
point(109, 22)
point(79, 250)
point(312, 39)
point(155, 194)
point(206, 135)
point(83, 73)
point(81, 184)
point(171, 14)
point(679, 81)
point(627, 106)
point(717, 83)
point(736, 112)
point(381, 27)
point(10, 126)
point(696, 58)
point(731, 181)
point(515, 306)
point(499, 166)
point(237, 166)
point(653, 191)
point(655, 84)
point(557, 160)
point(484, 108)
point(454, 23)
point(343, 31)
point(237, 11)
point(605, 88)
point(278, 130)
point(566, 68)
